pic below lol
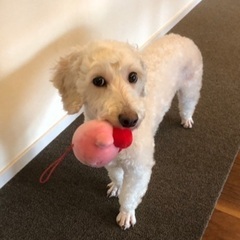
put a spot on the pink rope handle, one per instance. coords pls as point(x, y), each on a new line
point(47, 173)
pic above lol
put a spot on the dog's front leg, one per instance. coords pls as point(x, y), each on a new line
point(116, 175)
point(135, 183)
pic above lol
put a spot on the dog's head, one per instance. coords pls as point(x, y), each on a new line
point(107, 78)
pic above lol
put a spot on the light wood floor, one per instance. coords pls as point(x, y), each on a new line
point(225, 221)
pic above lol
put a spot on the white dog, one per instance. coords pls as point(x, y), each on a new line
point(130, 88)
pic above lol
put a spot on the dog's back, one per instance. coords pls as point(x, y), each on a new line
point(174, 65)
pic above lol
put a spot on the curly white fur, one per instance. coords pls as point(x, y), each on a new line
point(172, 64)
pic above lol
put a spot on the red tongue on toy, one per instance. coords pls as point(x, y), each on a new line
point(122, 137)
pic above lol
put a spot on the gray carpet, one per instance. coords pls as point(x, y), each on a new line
point(191, 168)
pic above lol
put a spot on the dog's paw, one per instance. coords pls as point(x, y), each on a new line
point(126, 219)
point(187, 123)
point(113, 190)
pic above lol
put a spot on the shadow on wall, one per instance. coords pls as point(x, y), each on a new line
point(29, 105)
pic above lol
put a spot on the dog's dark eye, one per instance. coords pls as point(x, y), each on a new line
point(132, 77)
point(99, 82)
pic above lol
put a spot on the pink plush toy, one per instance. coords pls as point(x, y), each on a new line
point(96, 143)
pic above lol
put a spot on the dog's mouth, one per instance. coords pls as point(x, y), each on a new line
point(125, 121)
point(131, 126)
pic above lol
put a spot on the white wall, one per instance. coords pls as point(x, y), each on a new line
point(33, 34)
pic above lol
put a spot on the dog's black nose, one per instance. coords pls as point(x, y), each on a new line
point(128, 121)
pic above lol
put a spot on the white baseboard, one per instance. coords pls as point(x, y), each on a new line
point(15, 166)
point(22, 160)
point(172, 22)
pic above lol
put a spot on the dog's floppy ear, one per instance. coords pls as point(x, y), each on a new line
point(65, 78)
point(144, 78)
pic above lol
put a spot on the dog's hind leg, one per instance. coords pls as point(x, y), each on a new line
point(190, 83)
point(188, 96)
